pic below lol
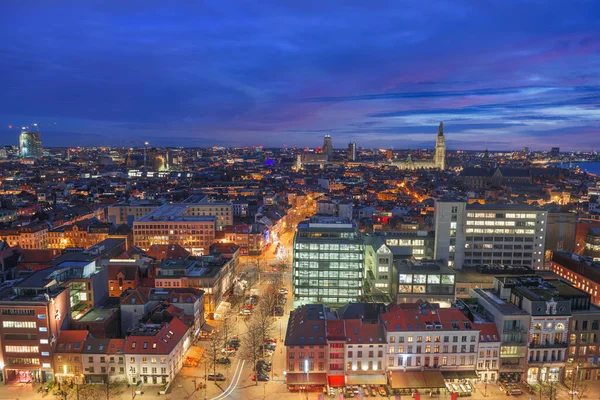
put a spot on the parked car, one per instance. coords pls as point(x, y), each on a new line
point(283, 291)
point(263, 365)
point(373, 391)
point(270, 340)
point(260, 378)
point(223, 360)
point(382, 391)
point(228, 350)
point(217, 377)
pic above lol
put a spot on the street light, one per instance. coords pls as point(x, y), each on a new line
point(306, 371)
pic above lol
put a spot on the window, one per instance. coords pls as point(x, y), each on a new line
point(19, 324)
point(21, 349)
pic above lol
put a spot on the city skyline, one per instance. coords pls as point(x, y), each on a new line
point(270, 75)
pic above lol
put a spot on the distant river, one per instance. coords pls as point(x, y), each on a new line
point(591, 167)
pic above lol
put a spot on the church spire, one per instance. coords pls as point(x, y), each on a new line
point(441, 129)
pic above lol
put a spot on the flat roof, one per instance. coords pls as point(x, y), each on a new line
point(173, 212)
point(504, 307)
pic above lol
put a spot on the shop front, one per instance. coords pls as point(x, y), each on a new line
point(311, 382)
point(336, 381)
point(543, 374)
point(413, 382)
point(510, 377)
point(16, 375)
point(366, 379)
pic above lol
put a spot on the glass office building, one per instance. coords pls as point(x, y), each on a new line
point(328, 262)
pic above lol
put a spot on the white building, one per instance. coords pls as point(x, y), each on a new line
point(431, 338)
point(488, 361)
point(104, 359)
point(155, 352)
point(467, 235)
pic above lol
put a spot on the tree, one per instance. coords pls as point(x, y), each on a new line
point(577, 388)
point(263, 313)
point(253, 339)
point(213, 350)
point(113, 386)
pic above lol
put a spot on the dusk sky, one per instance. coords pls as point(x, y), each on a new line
point(500, 74)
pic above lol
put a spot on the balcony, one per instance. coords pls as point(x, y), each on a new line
point(555, 345)
point(545, 360)
point(514, 329)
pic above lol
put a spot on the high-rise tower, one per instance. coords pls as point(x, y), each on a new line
point(328, 147)
point(352, 151)
point(440, 148)
point(30, 144)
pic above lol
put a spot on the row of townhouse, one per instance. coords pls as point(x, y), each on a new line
point(406, 346)
point(151, 353)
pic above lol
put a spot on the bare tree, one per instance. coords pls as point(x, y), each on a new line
point(213, 350)
point(578, 388)
point(113, 386)
point(253, 339)
point(263, 313)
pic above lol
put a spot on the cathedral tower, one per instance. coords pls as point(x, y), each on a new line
point(440, 148)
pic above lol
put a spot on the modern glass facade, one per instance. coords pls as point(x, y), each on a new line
point(328, 262)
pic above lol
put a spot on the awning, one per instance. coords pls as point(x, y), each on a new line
point(417, 380)
point(301, 379)
point(207, 328)
point(336, 380)
point(460, 375)
point(374, 379)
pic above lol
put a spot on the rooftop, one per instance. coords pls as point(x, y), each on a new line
point(174, 212)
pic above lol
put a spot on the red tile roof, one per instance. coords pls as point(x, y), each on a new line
point(164, 251)
point(71, 341)
point(488, 332)
point(357, 332)
point(129, 271)
point(116, 346)
point(424, 318)
point(160, 341)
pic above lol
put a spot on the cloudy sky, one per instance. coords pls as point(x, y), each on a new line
point(500, 74)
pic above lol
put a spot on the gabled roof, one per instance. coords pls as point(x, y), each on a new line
point(359, 333)
point(129, 271)
point(424, 318)
point(71, 341)
point(138, 296)
point(167, 251)
point(161, 340)
point(488, 332)
point(95, 346)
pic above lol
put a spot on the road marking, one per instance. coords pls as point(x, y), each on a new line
point(230, 389)
point(230, 383)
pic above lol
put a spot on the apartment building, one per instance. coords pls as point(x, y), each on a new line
point(176, 224)
point(427, 280)
point(425, 336)
point(32, 315)
point(67, 356)
point(328, 262)
point(306, 348)
point(470, 235)
point(119, 214)
point(512, 325)
point(205, 206)
point(155, 352)
point(32, 236)
point(488, 360)
point(379, 266)
point(104, 359)
point(213, 274)
point(418, 244)
point(83, 234)
point(122, 275)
